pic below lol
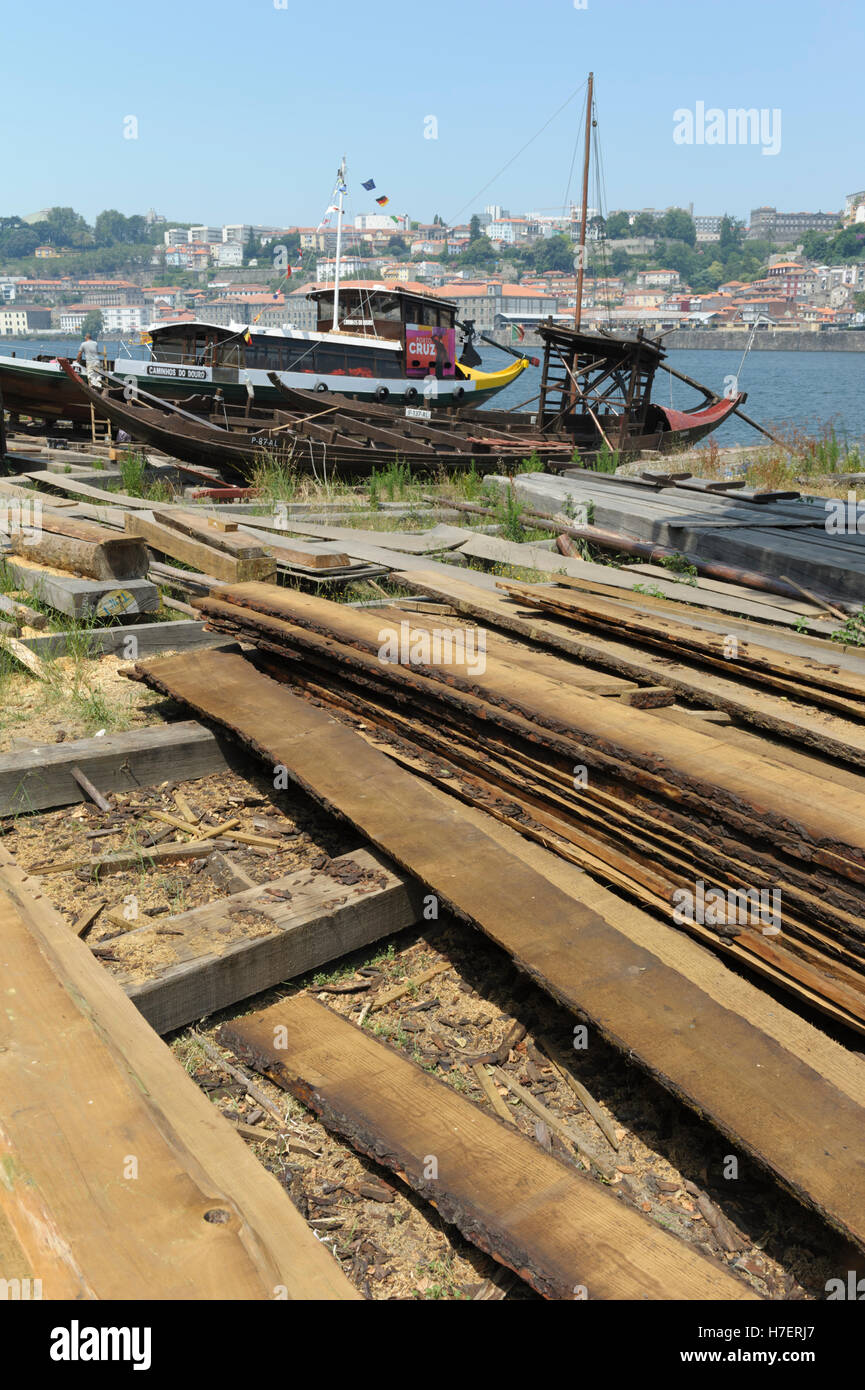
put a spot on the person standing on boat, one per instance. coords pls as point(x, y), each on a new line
point(88, 353)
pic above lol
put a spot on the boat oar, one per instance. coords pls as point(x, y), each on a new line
point(714, 397)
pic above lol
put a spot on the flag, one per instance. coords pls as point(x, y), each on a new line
point(247, 336)
point(369, 185)
point(333, 208)
point(382, 202)
point(394, 218)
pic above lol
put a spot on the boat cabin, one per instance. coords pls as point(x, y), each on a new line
point(408, 333)
point(423, 323)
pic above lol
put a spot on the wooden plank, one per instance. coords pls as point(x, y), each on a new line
point(167, 541)
point(128, 643)
point(65, 483)
point(122, 1181)
point(106, 598)
point(763, 797)
point(772, 1101)
point(841, 738)
point(438, 538)
point(494, 1184)
point(42, 778)
point(199, 970)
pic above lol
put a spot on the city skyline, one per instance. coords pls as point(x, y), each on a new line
point(447, 112)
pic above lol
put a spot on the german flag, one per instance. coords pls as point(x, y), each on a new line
point(382, 202)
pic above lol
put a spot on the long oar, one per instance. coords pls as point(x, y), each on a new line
point(714, 397)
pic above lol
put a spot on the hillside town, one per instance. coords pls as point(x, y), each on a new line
point(644, 268)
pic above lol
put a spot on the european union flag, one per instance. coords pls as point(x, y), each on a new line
point(369, 185)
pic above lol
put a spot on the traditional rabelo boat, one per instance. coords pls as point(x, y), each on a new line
point(392, 344)
point(595, 396)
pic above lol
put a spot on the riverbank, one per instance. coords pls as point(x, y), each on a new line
point(729, 340)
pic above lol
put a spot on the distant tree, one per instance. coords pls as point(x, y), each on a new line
point(398, 245)
point(732, 235)
point(479, 252)
point(644, 224)
point(92, 324)
point(554, 253)
point(678, 225)
point(620, 261)
point(618, 226)
point(16, 238)
point(66, 227)
point(252, 247)
point(848, 243)
point(474, 227)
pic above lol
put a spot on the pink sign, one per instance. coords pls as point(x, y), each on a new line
point(429, 351)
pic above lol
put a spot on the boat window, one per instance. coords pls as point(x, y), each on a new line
point(386, 306)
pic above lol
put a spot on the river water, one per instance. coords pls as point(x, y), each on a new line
point(786, 390)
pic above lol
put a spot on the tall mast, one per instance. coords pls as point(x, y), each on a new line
point(340, 184)
point(578, 306)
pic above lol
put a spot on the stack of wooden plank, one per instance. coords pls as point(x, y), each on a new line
point(659, 808)
point(781, 538)
point(774, 1085)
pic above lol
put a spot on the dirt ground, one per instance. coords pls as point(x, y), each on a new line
point(390, 1243)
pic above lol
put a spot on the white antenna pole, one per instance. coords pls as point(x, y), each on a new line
point(340, 183)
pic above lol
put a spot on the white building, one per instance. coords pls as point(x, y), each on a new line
point(175, 236)
point(12, 321)
point(512, 230)
point(124, 318)
point(708, 227)
point(227, 253)
point(202, 235)
point(7, 290)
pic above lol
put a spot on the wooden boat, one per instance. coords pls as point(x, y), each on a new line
point(323, 432)
point(392, 343)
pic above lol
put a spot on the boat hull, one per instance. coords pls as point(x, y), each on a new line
point(43, 391)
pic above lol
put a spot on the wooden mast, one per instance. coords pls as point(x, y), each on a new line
point(578, 306)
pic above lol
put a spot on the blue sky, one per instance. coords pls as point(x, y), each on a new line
point(244, 107)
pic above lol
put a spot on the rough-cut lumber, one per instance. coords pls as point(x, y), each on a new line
point(202, 555)
point(319, 919)
point(441, 537)
point(106, 598)
point(821, 730)
point(770, 1099)
point(559, 1230)
point(65, 483)
point(81, 547)
point(42, 778)
point(765, 794)
point(121, 1181)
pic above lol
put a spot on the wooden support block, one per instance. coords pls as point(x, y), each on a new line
point(200, 969)
point(42, 778)
point(106, 598)
point(496, 1186)
point(167, 540)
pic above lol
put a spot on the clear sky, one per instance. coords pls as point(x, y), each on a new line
point(244, 107)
